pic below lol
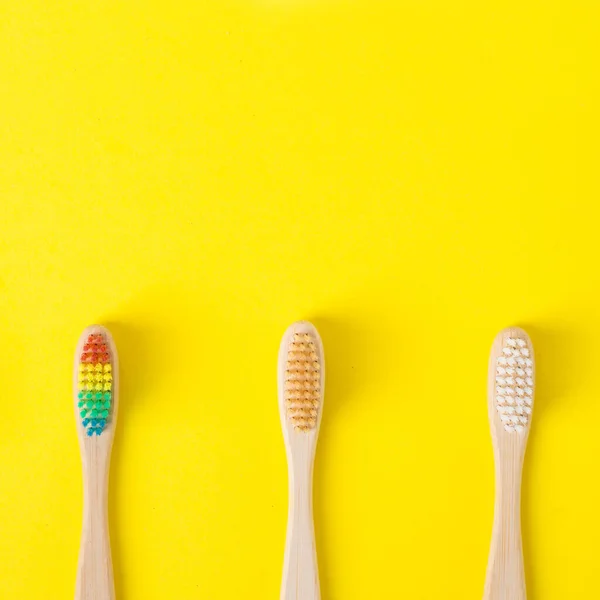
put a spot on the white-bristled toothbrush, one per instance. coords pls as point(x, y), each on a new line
point(511, 384)
point(301, 380)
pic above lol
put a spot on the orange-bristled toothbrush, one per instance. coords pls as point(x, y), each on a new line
point(301, 381)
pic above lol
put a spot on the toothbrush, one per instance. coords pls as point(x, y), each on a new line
point(96, 386)
point(301, 381)
point(511, 384)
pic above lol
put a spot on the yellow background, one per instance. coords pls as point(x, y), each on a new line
point(412, 176)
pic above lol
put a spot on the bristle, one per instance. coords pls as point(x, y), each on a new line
point(95, 385)
point(514, 385)
point(302, 383)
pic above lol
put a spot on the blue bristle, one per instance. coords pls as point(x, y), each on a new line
point(94, 422)
point(90, 432)
point(85, 422)
point(102, 423)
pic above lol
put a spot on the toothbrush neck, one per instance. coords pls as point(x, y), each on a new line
point(509, 470)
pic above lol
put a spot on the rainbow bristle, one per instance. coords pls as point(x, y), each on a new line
point(94, 384)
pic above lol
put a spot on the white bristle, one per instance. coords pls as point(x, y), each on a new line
point(514, 385)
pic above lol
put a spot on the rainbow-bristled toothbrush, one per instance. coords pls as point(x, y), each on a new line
point(96, 387)
point(511, 385)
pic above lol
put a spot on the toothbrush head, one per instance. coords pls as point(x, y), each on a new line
point(95, 374)
point(512, 380)
point(302, 378)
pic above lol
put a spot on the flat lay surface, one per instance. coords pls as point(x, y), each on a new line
point(411, 177)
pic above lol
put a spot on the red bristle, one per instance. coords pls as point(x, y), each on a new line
point(95, 349)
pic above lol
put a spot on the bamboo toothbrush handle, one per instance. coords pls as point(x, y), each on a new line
point(505, 573)
point(95, 570)
point(300, 571)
